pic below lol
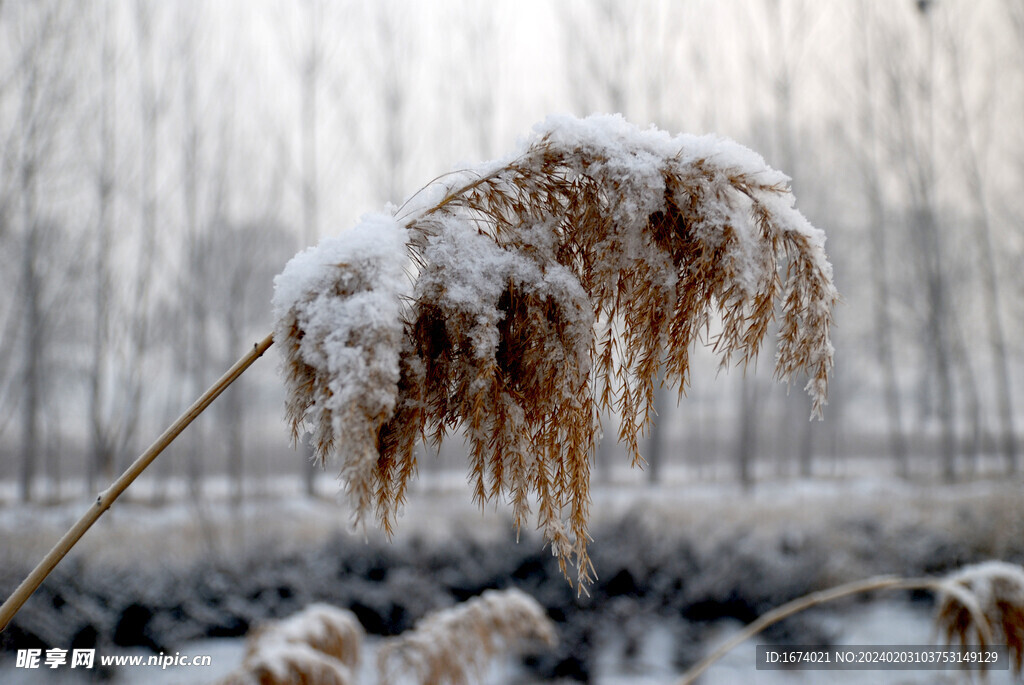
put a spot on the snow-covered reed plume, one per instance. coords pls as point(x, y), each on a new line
point(542, 289)
point(983, 605)
point(454, 646)
point(319, 645)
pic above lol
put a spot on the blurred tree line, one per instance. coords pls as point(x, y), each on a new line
point(159, 163)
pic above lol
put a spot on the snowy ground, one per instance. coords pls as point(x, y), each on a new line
point(884, 622)
point(862, 521)
point(440, 504)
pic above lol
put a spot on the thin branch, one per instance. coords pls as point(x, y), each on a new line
point(106, 498)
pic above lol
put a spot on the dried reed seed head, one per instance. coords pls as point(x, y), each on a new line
point(319, 645)
point(291, 664)
point(454, 646)
point(328, 629)
point(550, 286)
point(984, 604)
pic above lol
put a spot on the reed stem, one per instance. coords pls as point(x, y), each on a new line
point(106, 498)
point(800, 604)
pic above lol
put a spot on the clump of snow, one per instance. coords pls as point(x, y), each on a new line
point(338, 310)
point(988, 587)
point(984, 604)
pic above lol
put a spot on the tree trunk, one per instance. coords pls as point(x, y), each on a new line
point(991, 301)
point(150, 109)
point(234, 418)
point(655, 452)
point(310, 187)
point(938, 336)
point(30, 284)
point(883, 333)
point(805, 449)
point(33, 340)
point(195, 317)
point(234, 406)
point(102, 462)
point(745, 450)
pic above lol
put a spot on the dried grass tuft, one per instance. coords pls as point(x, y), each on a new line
point(983, 604)
point(454, 646)
point(319, 645)
point(549, 287)
point(291, 664)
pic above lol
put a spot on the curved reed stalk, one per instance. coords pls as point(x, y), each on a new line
point(799, 604)
point(106, 498)
point(518, 300)
point(978, 604)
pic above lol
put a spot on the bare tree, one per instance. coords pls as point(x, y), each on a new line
point(910, 86)
point(33, 329)
point(879, 242)
point(394, 83)
point(152, 104)
point(312, 68)
point(745, 446)
point(1015, 11)
point(195, 346)
point(478, 94)
point(45, 89)
point(103, 438)
point(600, 55)
point(988, 267)
point(243, 259)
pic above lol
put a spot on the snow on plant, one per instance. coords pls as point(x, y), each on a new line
point(983, 604)
point(338, 317)
point(542, 289)
point(454, 646)
point(319, 645)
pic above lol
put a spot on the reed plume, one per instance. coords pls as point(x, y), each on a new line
point(983, 605)
point(518, 300)
point(454, 646)
point(319, 645)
